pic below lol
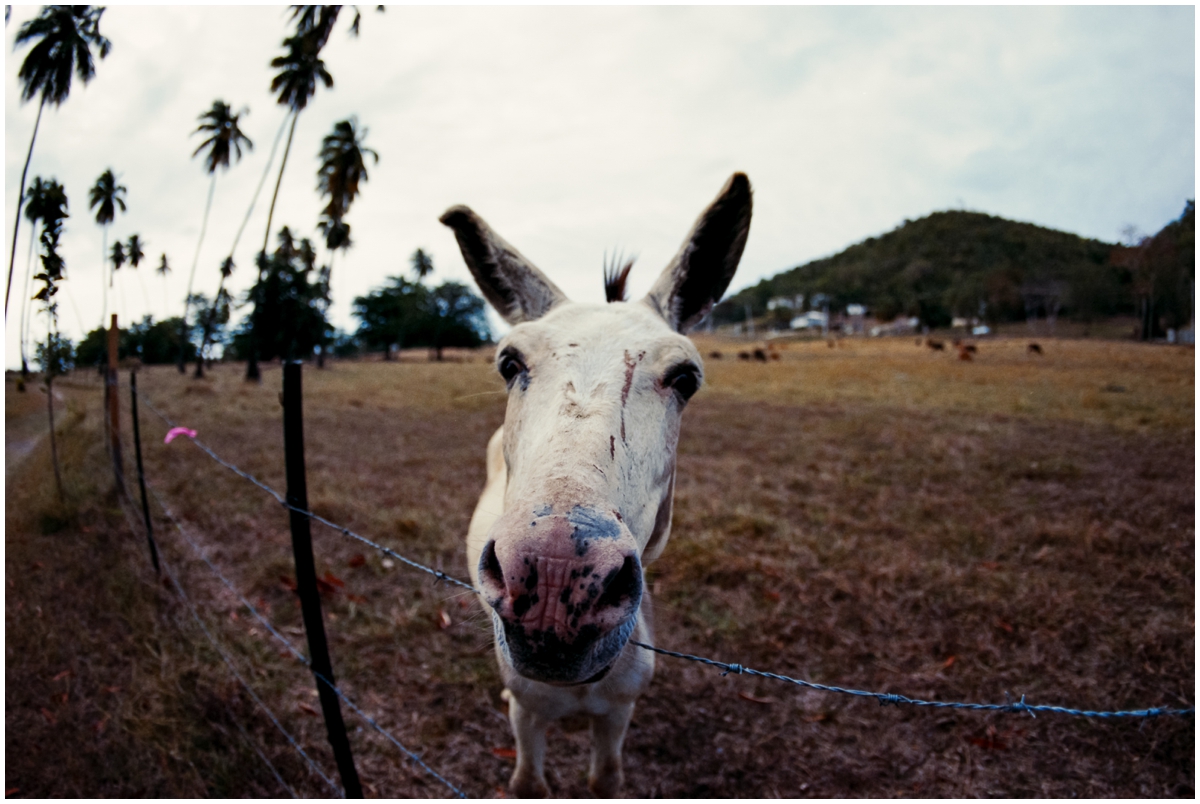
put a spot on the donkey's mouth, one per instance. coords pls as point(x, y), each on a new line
point(544, 656)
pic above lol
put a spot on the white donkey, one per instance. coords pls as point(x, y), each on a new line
point(581, 478)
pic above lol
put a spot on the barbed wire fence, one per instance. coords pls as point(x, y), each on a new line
point(325, 682)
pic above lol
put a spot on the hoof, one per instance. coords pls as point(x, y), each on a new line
point(607, 784)
point(528, 786)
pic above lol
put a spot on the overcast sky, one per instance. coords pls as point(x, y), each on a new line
point(579, 130)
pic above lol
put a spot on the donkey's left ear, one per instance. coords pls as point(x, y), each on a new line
point(699, 274)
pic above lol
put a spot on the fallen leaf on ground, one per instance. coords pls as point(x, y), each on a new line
point(12, 791)
point(1001, 624)
point(356, 598)
point(309, 710)
point(112, 689)
point(745, 696)
point(444, 620)
point(817, 718)
point(949, 661)
point(357, 561)
point(50, 718)
point(330, 578)
point(287, 583)
point(61, 675)
point(505, 753)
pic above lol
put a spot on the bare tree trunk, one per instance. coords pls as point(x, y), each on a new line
point(20, 201)
point(252, 372)
point(53, 440)
point(187, 300)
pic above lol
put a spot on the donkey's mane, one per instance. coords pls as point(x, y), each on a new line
point(616, 273)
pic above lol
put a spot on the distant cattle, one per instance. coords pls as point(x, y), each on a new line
point(970, 347)
point(775, 355)
point(964, 353)
point(743, 355)
point(1034, 349)
point(936, 346)
point(715, 355)
point(759, 354)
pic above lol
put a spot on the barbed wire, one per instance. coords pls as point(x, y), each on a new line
point(253, 745)
point(129, 519)
point(885, 699)
point(293, 649)
point(282, 500)
point(228, 661)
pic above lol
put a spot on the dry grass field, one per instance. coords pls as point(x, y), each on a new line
point(872, 514)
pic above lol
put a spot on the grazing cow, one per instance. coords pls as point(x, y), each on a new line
point(743, 355)
point(581, 478)
point(760, 355)
point(1034, 349)
point(714, 355)
point(936, 346)
point(964, 353)
point(972, 348)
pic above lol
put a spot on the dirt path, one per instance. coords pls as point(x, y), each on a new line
point(22, 434)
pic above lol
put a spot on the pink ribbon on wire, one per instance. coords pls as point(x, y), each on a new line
point(178, 431)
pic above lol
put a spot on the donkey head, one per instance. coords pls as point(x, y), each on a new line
point(595, 394)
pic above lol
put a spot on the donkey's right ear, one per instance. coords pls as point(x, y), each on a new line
point(511, 283)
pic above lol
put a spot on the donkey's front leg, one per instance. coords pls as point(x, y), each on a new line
point(608, 733)
point(529, 779)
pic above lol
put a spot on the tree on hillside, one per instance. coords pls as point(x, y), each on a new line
point(64, 37)
point(952, 264)
point(152, 342)
point(225, 141)
point(1162, 274)
point(105, 197)
point(342, 170)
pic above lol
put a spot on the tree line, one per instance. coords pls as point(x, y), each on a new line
point(971, 265)
point(287, 304)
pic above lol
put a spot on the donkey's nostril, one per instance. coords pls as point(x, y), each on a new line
point(622, 586)
point(490, 574)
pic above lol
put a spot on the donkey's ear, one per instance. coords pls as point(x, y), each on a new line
point(518, 290)
point(701, 271)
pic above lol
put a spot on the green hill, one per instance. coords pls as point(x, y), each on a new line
point(955, 264)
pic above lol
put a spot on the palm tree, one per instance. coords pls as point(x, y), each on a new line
point(422, 264)
point(133, 249)
point(105, 197)
point(343, 168)
point(296, 82)
point(162, 270)
point(64, 37)
point(117, 258)
point(225, 139)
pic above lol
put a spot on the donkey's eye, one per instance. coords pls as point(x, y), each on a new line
point(510, 365)
point(684, 379)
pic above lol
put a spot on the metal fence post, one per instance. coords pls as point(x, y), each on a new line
point(137, 448)
point(306, 578)
point(114, 406)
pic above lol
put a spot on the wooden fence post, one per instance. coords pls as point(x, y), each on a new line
point(306, 578)
point(137, 449)
point(114, 407)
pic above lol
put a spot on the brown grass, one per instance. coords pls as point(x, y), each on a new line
point(871, 515)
